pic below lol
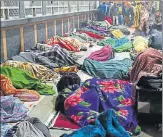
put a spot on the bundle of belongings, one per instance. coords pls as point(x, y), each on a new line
point(32, 126)
point(155, 40)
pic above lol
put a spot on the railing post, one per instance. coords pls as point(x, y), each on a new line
point(21, 9)
point(43, 7)
point(52, 10)
point(89, 5)
point(34, 11)
point(6, 14)
point(77, 5)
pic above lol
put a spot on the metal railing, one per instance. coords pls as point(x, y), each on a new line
point(24, 9)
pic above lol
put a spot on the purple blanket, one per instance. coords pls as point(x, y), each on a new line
point(12, 110)
point(96, 96)
point(103, 54)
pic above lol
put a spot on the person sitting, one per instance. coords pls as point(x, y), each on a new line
point(157, 24)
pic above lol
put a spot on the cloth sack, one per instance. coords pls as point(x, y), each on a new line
point(39, 125)
point(24, 129)
point(155, 40)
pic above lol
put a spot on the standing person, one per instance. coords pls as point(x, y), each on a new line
point(120, 14)
point(114, 14)
point(144, 19)
point(102, 10)
point(123, 11)
point(137, 15)
point(127, 19)
point(108, 11)
point(131, 14)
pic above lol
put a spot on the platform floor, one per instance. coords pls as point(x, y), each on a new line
point(44, 108)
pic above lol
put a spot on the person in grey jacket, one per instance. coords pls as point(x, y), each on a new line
point(114, 14)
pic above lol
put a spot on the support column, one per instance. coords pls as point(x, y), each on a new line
point(43, 7)
point(21, 9)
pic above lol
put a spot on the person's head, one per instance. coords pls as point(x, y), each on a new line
point(103, 3)
point(158, 14)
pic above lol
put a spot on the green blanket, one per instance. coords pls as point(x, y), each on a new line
point(116, 69)
point(119, 45)
point(23, 79)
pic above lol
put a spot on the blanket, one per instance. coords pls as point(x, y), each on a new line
point(105, 95)
point(12, 110)
point(36, 70)
point(117, 69)
point(140, 43)
point(103, 127)
point(119, 45)
point(147, 63)
point(23, 94)
point(23, 79)
point(103, 54)
point(63, 43)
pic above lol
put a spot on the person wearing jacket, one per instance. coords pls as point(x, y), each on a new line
point(114, 14)
point(102, 10)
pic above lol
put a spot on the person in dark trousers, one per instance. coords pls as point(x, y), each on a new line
point(131, 13)
point(102, 10)
point(108, 9)
point(120, 14)
point(114, 14)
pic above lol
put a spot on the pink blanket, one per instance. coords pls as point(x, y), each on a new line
point(103, 54)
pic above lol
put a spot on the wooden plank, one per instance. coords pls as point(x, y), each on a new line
point(22, 38)
point(55, 31)
point(46, 30)
point(35, 33)
point(4, 44)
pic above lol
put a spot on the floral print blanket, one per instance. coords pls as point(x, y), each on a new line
point(97, 95)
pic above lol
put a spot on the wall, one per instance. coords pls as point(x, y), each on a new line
point(22, 34)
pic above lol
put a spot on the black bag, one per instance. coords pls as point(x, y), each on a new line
point(150, 82)
point(59, 103)
point(67, 79)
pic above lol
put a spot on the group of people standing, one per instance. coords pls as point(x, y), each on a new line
point(126, 13)
point(121, 13)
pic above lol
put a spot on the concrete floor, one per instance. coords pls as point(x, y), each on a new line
point(44, 108)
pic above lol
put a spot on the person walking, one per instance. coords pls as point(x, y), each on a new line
point(114, 14)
